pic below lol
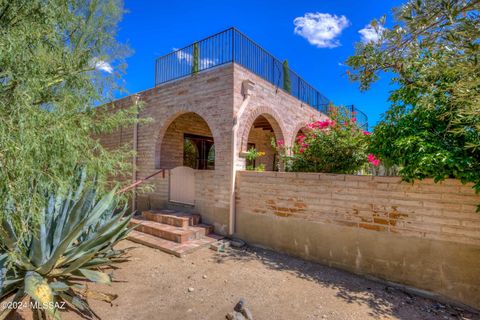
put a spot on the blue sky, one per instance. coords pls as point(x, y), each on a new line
point(154, 28)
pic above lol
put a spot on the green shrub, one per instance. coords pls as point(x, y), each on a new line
point(74, 240)
point(59, 59)
point(195, 58)
point(432, 128)
point(251, 156)
point(287, 82)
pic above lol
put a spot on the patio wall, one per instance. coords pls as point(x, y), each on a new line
point(424, 235)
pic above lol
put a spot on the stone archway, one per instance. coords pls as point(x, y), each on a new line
point(170, 139)
point(257, 132)
point(248, 120)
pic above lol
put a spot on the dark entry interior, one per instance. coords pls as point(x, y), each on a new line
point(198, 152)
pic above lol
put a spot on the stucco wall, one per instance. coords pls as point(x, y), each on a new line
point(424, 235)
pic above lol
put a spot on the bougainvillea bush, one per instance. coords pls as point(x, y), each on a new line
point(334, 145)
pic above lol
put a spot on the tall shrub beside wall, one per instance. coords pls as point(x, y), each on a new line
point(195, 58)
point(287, 82)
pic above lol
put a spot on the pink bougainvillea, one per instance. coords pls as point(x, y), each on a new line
point(366, 133)
point(319, 124)
point(373, 160)
point(336, 144)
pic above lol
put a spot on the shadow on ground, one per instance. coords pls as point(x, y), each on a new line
point(382, 300)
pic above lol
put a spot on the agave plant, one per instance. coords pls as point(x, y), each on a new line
point(73, 243)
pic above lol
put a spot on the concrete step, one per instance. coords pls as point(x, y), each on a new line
point(177, 249)
point(171, 233)
point(173, 218)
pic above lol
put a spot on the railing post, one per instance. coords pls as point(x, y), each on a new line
point(233, 44)
point(298, 88)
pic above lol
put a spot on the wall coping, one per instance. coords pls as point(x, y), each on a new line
point(347, 177)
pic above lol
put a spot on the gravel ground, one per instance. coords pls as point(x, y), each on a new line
point(207, 285)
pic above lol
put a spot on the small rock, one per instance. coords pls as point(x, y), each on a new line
point(220, 246)
point(235, 316)
point(191, 289)
point(247, 313)
point(239, 306)
point(204, 276)
point(237, 243)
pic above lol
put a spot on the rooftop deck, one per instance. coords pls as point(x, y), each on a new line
point(232, 46)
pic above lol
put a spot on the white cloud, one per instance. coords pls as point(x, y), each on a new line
point(188, 58)
point(103, 65)
point(370, 34)
point(321, 29)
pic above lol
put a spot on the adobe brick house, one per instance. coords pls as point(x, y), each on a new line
point(212, 101)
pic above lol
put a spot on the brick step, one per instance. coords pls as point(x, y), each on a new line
point(177, 249)
point(173, 218)
point(172, 233)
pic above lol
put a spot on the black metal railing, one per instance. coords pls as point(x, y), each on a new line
point(230, 46)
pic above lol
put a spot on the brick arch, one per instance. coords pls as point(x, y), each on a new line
point(295, 132)
point(249, 118)
point(162, 127)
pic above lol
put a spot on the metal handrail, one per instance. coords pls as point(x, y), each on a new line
point(140, 181)
point(233, 46)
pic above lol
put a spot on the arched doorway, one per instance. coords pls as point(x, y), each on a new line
point(185, 146)
point(188, 141)
point(262, 136)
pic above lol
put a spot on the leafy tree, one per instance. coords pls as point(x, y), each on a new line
point(58, 59)
point(335, 145)
point(432, 128)
point(287, 82)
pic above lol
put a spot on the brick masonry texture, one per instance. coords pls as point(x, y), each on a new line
point(205, 104)
point(424, 234)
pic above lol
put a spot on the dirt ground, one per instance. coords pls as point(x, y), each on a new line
point(207, 285)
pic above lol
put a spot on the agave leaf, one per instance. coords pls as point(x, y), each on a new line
point(10, 286)
point(76, 302)
point(97, 295)
point(97, 243)
point(94, 276)
point(81, 209)
point(57, 286)
point(96, 262)
point(38, 250)
point(99, 208)
point(81, 184)
point(60, 221)
point(3, 269)
point(94, 236)
point(37, 287)
point(76, 264)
